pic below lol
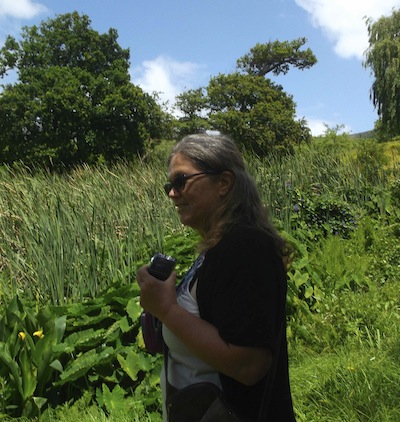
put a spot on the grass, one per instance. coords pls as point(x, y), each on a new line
point(349, 385)
point(351, 373)
point(69, 236)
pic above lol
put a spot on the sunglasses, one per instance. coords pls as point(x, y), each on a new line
point(179, 183)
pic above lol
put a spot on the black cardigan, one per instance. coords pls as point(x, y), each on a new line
point(241, 290)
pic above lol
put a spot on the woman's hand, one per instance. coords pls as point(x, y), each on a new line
point(156, 296)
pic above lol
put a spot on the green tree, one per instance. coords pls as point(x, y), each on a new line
point(192, 105)
point(253, 110)
point(73, 101)
point(383, 58)
point(258, 114)
point(276, 57)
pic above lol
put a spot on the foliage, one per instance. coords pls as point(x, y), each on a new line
point(276, 57)
point(83, 411)
point(384, 250)
point(255, 112)
point(69, 236)
point(394, 189)
point(192, 104)
point(325, 213)
point(101, 223)
point(370, 159)
point(28, 356)
point(334, 139)
point(305, 287)
point(383, 58)
point(358, 383)
point(95, 343)
point(355, 334)
point(73, 93)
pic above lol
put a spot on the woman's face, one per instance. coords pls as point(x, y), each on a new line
point(200, 198)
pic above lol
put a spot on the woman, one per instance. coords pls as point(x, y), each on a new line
point(226, 323)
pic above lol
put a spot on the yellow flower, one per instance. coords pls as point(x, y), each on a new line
point(21, 335)
point(38, 333)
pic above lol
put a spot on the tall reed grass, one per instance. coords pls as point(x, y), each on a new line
point(317, 171)
point(67, 236)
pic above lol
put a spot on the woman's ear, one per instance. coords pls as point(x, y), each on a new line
point(226, 180)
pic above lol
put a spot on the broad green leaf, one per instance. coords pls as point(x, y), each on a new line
point(309, 292)
point(87, 320)
point(146, 361)
point(114, 327)
point(59, 328)
point(39, 401)
point(82, 364)
point(300, 278)
point(304, 261)
point(56, 364)
point(124, 325)
point(84, 337)
point(13, 367)
point(134, 309)
point(114, 400)
point(131, 365)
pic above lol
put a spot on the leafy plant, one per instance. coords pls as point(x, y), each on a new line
point(324, 212)
point(50, 356)
point(305, 289)
point(394, 189)
point(29, 357)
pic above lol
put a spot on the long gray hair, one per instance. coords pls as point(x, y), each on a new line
point(216, 154)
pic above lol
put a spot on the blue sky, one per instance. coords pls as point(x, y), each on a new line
point(177, 45)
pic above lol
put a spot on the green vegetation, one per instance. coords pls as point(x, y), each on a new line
point(73, 91)
point(382, 57)
point(70, 343)
point(257, 113)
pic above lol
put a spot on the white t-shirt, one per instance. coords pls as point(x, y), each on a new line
point(183, 367)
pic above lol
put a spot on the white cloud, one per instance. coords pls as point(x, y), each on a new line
point(20, 9)
point(167, 77)
point(318, 127)
point(343, 21)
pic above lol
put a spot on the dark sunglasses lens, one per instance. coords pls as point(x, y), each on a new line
point(178, 185)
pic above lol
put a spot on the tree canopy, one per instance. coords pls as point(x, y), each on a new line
point(258, 114)
point(192, 104)
point(383, 58)
point(276, 57)
point(73, 101)
point(253, 110)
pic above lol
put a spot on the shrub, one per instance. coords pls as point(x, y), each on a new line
point(324, 212)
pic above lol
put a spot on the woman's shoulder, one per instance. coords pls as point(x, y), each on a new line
point(245, 236)
point(243, 243)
